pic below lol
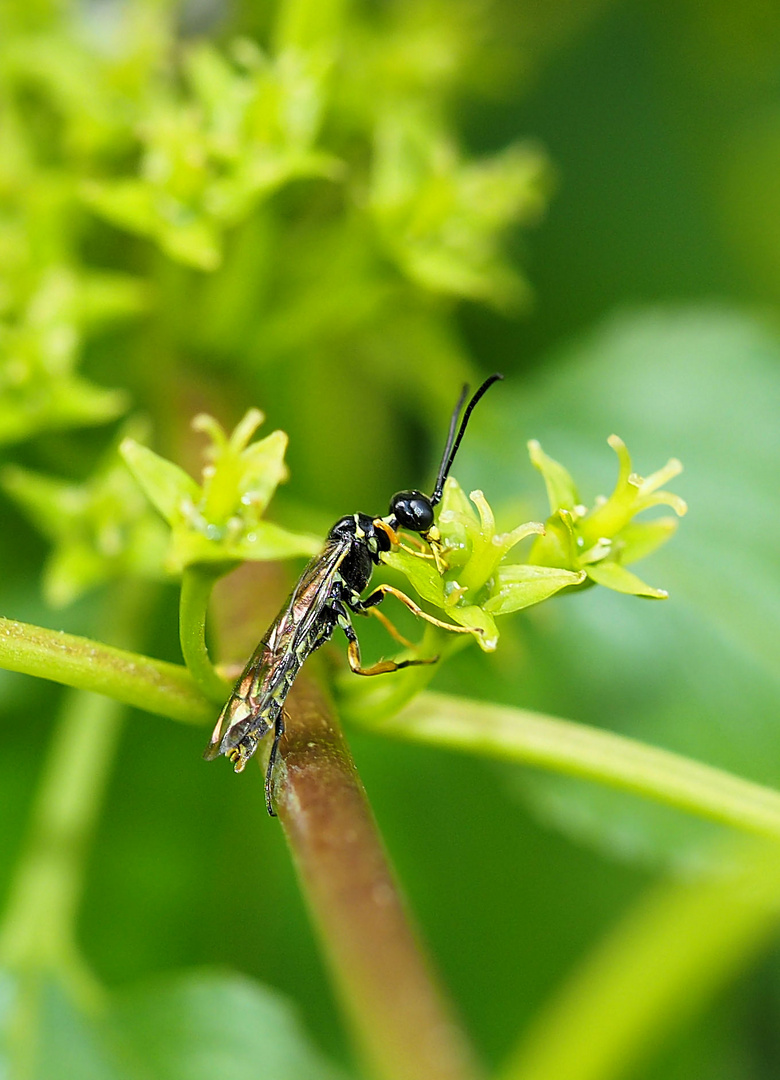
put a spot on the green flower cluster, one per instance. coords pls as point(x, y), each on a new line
point(600, 542)
point(576, 546)
point(243, 130)
point(99, 530)
point(105, 528)
point(220, 520)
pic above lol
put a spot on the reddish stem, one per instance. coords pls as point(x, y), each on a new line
point(401, 1021)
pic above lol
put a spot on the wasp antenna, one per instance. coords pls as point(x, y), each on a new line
point(453, 440)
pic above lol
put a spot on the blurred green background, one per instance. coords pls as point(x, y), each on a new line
point(637, 292)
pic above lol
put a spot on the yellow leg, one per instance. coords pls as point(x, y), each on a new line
point(384, 666)
point(418, 611)
point(417, 554)
point(392, 631)
point(433, 539)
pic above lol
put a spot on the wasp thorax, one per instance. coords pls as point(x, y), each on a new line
point(412, 510)
point(344, 528)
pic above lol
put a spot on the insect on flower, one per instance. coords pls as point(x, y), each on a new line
point(325, 597)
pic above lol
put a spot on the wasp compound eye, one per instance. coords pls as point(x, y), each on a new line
point(412, 510)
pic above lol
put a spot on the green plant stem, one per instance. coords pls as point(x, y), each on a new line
point(37, 933)
point(196, 588)
point(153, 685)
point(653, 971)
point(563, 746)
point(402, 1024)
point(476, 727)
point(38, 929)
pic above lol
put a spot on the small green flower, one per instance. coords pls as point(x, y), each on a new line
point(220, 521)
point(603, 540)
point(442, 218)
point(574, 547)
point(478, 582)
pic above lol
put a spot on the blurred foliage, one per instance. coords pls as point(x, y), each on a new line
point(99, 530)
point(705, 692)
point(322, 209)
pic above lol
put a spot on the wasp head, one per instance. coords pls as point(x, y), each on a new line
point(412, 510)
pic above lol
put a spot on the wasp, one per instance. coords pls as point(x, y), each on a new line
point(327, 594)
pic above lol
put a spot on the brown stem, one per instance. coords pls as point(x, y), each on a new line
point(401, 1022)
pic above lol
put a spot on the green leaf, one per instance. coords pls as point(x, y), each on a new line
point(44, 1035)
point(266, 541)
point(204, 1025)
point(302, 24)
point(269, 541)
point(195, 243)
point(104, 297)
point(263, 470)
point(520, 585)
point(45, 499)
point(72, 570)
point(197, 1026)
point(51, 404)
point(664, 961)
point(698, 674)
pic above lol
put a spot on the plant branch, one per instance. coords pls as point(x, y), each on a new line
point(196, 587)
point(38, 927)
point(402, 1024)
point(153, 685)
point(529, 738)
point(38, 930)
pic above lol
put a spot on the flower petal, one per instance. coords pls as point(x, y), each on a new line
point(614, 576)
point(641, 538)
point(519, 586)
point(166, 485)
point(422, 574)
point(561, 490)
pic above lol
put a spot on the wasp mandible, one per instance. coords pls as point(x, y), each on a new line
point(326, 595)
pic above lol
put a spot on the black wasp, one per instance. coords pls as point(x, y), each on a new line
point(327, 593)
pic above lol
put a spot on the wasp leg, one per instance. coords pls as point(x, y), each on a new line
point(392, 630)
point(353, 651)
point(269, 772)
point(433, 539)
point(379, 593)
point(417, 554)
point(419, 549)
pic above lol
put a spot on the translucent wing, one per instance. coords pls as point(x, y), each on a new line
point(257, 692)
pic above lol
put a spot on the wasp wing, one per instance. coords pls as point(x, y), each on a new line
point(275, 656)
